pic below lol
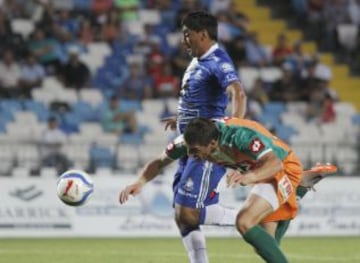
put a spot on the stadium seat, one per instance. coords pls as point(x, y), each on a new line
point(149, 16)
point(347, 35)
point(248, 75)
point(92, 96)
point(101, 157)
point(270, 74)
point(22, 26)
point(27, 118)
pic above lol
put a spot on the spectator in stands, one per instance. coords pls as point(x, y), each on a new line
point(321, 105)
point(10, 74)
point(180, 60)
point(110, 29)
point(44, 49)
point(285, 89)
point(255, 52)
point(335, 13)
point(137, 86)
point(51, 143)
point(32, 74)
point(117, 119)
point(155, 59)
point(128, 9)
point(258, 92)
point(307, 81)
point(281, 51)
point(298, 59)
point(237, 51)
point(75, 73)
point(67, 23)
point(166, 84)
point(328, 113)
point(86, 32)
point(354, 12)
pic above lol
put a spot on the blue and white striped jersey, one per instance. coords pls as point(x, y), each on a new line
point(203, 87)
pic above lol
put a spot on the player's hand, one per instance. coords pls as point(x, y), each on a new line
point(132, 189)
point(170, 123)
point(235, 178)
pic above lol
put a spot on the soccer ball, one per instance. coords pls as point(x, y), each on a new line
point(75, 187)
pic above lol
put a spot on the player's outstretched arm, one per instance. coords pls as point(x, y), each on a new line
point(238, 99)
point(149, 172)
point(268, 166)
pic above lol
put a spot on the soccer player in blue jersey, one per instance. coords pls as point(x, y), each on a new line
point(208, 82)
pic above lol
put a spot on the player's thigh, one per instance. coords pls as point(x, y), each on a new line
point(261, 202)
point(197, 185)
point(187, 216)
point(255, 209)
point(270, 227)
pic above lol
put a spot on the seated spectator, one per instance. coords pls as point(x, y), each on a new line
point(51, 143)
point(117, 119)
point(75, 73)
point(110, 30)
point(281, 50)
point(258, 93)
point(237, 51)
point(45, 50)
point(137, 86)
point(285, 89)
point(255, 52)
point(32, 74)
point(180, 60)
point(86, 32)
point(328, 113)
point(166, 84)
point(10, 73)
point(128, 9)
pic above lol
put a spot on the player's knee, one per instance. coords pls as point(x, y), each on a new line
point(244, 222)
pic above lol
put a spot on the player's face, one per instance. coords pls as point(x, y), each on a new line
point(191, 40)
point(202, 152)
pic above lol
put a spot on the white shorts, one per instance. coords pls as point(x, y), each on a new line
point(267, 192)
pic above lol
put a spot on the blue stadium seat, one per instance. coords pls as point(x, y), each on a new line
point(356, 119)
point(41, 111)
point(274, 108)
point(285, 132)
point(84, 111)
point(132, 138)
point(10, 105)
point(101, 156)
point(70, 122)
point(130, 105)
point(82, 4)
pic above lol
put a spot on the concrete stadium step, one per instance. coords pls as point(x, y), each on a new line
point(348, 88)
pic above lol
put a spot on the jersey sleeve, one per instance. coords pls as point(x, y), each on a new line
point(226, 73)
point(252, 143)
point(176, 149)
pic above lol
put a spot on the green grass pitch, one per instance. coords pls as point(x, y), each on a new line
point(161, 250)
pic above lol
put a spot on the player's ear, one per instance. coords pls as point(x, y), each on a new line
point(204, 34)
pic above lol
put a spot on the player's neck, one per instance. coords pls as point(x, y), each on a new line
point(207, 48)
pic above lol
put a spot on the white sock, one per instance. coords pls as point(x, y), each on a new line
point(195, 246)
point(218, 215)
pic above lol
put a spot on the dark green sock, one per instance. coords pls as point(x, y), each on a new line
point(301, 191)
point(265, 245)
point(281, 229)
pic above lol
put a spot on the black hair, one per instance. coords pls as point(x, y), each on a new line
point(201, 20)
point(201, 131)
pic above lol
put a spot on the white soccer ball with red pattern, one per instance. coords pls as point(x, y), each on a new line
point(75, 187)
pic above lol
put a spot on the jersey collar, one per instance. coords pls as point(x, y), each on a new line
point(210, 50)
